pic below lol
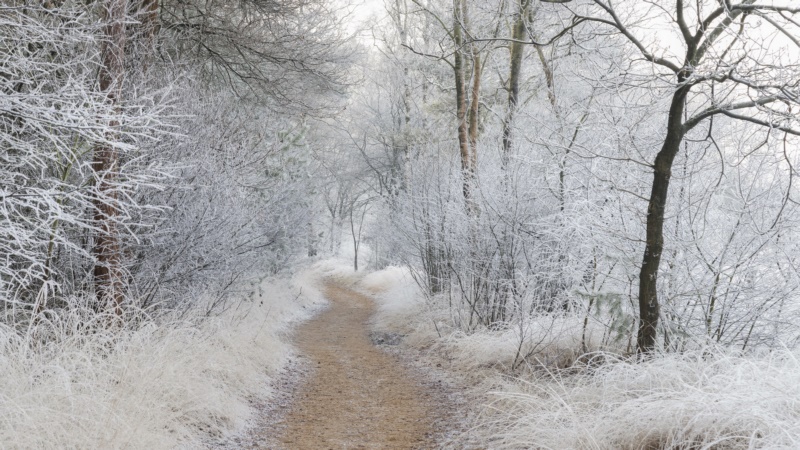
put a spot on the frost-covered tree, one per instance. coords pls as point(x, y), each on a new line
point(143, 160)
point(55, 117)
point(719, 59)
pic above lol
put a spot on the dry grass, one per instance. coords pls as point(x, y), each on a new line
point(702, 400)
point(161, 383)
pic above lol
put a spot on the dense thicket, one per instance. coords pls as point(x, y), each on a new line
point(157, 151)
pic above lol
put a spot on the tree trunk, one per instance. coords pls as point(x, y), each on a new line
point(311, 240)
point(108, 273)
point(474, 109)
point(461, 101)
point(654, 244)
point(400, 145)
point(517, 50)
point(148, 11)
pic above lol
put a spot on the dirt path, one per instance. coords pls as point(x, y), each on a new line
point(358, 397)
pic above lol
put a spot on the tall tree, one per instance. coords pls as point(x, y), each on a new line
point(464, 113)
point(108, 271)
point(726, 69)
point(516, 57)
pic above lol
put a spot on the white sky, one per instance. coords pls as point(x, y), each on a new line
point(361, 13)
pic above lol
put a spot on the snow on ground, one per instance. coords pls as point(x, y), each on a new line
point(186, 382)
point(403, 309)
point(700, 400)
point(689, 401)
point(157, 384)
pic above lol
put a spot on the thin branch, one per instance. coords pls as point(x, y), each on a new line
point(436, 57)
point(763, 123)
point(714, 110)
point(617, 23)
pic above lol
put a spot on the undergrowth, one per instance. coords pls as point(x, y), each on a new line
point(74, 381)
point(570, 393)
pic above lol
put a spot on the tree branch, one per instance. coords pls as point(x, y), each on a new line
point(617, 23)
point(763, 123)
point(714, 110)
point(687, 35)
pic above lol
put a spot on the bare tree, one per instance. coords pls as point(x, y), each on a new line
point(724, 69)
point(281, 50)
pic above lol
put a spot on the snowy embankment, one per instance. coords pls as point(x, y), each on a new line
point(76, 383)
point(602, 401)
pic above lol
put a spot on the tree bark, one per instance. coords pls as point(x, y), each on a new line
point(474, 109)
point(467, 109)
point(400, 141)
point(148, 9)
point(654, 243)
point(108, 273)
point(461, 101)
point(517, 50)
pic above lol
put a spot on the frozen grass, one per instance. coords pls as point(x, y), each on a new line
point(337, 270)
point(399, 301)
point(167, 383)
point(689, 401)
point(703, 400)
point(549, 340)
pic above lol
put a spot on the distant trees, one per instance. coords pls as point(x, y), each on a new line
point(460, 48)
point(516, 53)
point(244, 194)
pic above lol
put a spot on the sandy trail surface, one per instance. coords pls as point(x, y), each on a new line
point(357, 396)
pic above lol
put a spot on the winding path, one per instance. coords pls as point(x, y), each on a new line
point(357, 396)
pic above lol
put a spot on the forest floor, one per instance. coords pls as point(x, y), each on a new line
point(349, 390)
